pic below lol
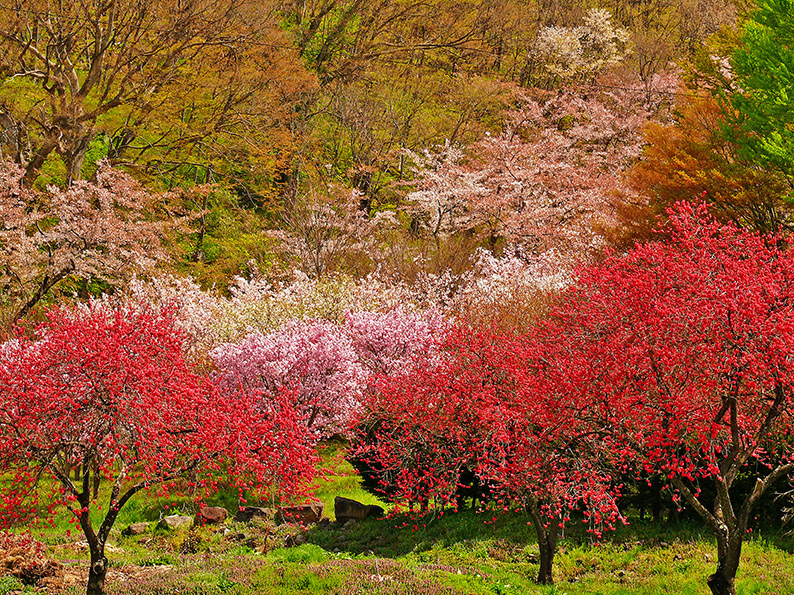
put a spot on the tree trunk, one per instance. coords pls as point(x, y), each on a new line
point(720, 584)
point(729, 551)
point(97, 480)
point(547, 543)
point(46, 284)
point(97, 572)
point(33, 167)
point(74, 157)
point(728, 526)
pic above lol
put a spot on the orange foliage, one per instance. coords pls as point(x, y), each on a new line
point(691, 158)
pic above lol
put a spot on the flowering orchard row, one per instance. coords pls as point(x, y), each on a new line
point(672, 359)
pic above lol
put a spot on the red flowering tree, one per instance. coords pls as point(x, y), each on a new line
point(682, 352)
point(106, 393)
point(476, 411)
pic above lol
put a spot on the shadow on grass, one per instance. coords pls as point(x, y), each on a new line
point(396, 536)
point(399, 535)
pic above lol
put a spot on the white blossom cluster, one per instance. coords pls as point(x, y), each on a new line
point(581, 52)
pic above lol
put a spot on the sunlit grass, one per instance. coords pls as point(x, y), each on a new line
point(465, 552)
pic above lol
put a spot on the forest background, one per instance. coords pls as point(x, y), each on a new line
point(356, 137)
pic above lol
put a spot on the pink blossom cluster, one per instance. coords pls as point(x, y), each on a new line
point(210, 319)
point(327, 365)
point(552, 179)
point(100, 229)
point(509, 286)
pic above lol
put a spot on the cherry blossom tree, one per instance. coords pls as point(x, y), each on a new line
point(107, 393)
point(328, 366)
point(509, 292)
point(680, 352)
point(314, 357)
point(194, 310)
point(390, 342)
point(553, 178)
point(101, 229)
point(209, 319)
point(321, 231)
point(579, 53)
point(444, 189)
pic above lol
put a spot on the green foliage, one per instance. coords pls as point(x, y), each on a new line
point(764, 79)
point(232, 237)
point(10, 585)
point(305, 554)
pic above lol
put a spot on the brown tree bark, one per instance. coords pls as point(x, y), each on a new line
point(548, 535)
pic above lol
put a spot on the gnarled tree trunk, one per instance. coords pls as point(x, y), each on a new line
point(97, 571)
point(548, 535)
point(729, 551)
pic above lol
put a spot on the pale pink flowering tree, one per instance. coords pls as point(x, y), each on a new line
point(328, 366)
point(508, 291)
point(99, 229)
point(579, 53)
point(320, 231)
point(194, 309)
point(444, 188)
point(389, 342)
point(553, 177)
point(314, 358)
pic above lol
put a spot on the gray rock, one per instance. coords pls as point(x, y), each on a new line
point(174, 522)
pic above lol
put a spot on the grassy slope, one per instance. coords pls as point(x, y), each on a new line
point(457, 553)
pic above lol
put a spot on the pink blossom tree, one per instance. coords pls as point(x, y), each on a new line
point(444, 189)
point(553, 176)
point(552, 179)
point(389, 342)
point(327, 366)
point(101, 229)
point(320, 231)
point(314, 357)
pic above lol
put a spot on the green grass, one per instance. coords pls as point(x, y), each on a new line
point(458, 553)
point(338, 478)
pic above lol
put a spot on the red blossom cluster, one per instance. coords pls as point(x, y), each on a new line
point(104, 394)
point(680, 353)
point(479, 415)
point(672, 359)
